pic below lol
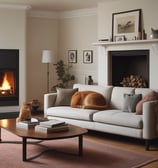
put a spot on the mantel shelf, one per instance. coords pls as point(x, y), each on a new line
point(107, 43)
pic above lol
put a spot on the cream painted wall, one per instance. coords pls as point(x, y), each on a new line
point(42, 34)
point(105, 10)
point(13, 36)
point(78, 34)
point(59, 35)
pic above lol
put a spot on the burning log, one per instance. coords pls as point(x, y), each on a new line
point(133, 81)
point(6, 88)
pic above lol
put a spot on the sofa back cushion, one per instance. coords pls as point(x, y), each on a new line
point(143, 91)
point(117, 97)
point(104, 90)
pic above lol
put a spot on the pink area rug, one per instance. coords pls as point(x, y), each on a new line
point(95, 155)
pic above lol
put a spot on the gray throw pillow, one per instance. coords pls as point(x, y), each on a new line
point(64, 96)
point(130, 102)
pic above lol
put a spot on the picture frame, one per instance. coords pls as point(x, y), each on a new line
point(72, 56)
point(127, 24)
point(87, 56)
point(119, 38)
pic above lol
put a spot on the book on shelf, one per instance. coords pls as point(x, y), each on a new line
point(59, 128)
point(30, 123)
point(52, 123)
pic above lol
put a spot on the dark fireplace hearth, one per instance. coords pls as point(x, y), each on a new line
point(9, 77)
point(124, 63)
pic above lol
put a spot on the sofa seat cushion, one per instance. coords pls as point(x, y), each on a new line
point(69, 112)
point(117, 117)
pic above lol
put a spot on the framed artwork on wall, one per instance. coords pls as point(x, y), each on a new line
point(72, 56)
point(127, 24)
point(87, 56)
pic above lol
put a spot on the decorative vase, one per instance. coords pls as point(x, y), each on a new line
point(154, 33)
point(90, 80)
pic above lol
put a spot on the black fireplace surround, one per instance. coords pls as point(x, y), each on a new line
point(123, 63)
point(9, 74)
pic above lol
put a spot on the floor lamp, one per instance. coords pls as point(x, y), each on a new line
point(47, 57)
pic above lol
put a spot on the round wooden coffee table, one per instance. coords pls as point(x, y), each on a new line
point(74, 131)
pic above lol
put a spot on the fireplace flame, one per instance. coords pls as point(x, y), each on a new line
point(5, 84)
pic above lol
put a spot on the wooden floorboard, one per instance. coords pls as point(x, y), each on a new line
point(127, 143)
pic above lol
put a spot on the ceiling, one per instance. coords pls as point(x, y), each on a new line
point(56, 5)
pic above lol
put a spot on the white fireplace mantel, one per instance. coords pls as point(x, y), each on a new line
point(134, 42)
point(103, 57)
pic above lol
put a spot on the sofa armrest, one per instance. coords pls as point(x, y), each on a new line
point(150, 120)
point(49, 101)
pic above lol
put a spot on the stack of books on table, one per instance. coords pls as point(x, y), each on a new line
point(51, 126)
point(30, 123)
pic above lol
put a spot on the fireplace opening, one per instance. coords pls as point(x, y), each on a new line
point(9, 77)
point(7, 83)
point(128, 66)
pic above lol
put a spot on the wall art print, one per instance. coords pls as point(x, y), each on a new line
point(126, 24)
point(72, 56)
point(87, 56)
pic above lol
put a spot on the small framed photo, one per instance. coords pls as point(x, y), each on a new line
point(119, 38)
point(72, 56)
point(87, 56)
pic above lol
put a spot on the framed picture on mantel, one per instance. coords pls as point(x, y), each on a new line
point(127, 24)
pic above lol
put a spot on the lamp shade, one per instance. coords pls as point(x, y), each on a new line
point(47, 56)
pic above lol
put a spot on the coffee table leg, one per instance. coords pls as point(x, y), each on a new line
point(80, 145)
point(24, 148)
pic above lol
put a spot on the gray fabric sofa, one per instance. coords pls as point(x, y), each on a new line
point(113, 120)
